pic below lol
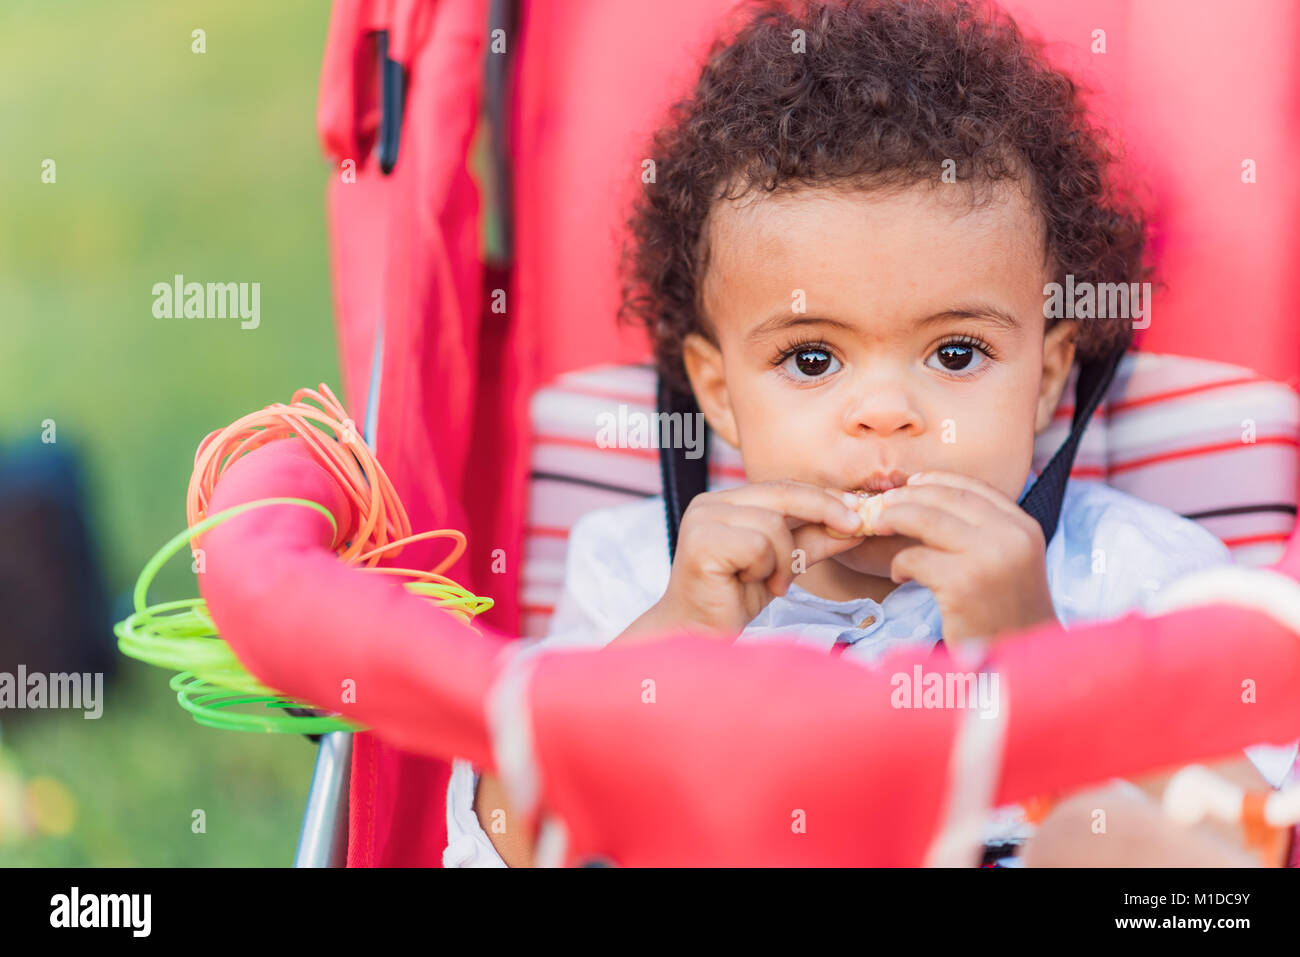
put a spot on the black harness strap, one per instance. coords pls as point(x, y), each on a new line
point(683, 477)
point(1044, 498)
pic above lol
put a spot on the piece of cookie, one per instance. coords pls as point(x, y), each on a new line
point(869, 508)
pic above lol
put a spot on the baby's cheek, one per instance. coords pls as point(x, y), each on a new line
point(1002, 460)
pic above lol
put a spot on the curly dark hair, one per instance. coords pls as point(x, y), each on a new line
point(883, 93)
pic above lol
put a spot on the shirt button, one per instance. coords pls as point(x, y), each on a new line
point(867, 622)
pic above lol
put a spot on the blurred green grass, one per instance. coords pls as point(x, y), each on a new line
point(138, 773)
point(168, 161)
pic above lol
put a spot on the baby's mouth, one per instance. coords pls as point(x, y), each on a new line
point(881, 481)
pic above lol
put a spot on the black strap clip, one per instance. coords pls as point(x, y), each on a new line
point(393, 85)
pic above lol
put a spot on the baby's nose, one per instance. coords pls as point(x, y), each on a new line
point(883, 412)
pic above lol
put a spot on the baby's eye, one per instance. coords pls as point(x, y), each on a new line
point(963, 357)
point(809, 362)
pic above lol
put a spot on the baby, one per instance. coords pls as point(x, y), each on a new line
point(844, 257)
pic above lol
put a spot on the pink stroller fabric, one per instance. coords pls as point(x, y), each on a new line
point(1200, 98)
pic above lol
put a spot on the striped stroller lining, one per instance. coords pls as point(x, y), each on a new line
point(1214, 442)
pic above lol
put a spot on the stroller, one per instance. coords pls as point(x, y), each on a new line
point(488, 153)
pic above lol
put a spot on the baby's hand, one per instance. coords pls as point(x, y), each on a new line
point(737, 549)
point(981, 554)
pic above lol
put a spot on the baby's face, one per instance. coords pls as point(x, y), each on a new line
point(863, 337)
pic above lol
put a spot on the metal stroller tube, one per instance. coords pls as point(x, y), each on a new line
point(323, 840)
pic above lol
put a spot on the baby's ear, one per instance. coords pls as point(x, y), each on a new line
point(703, 362)
point(1058, 357)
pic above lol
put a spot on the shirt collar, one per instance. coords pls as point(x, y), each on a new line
point(899, 601)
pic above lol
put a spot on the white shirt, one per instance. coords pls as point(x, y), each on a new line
point(1110, 553)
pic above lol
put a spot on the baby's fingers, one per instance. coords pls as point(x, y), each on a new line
point(929, 566)
point(936, 527)
point(799, 502)
point(969, 484)
point(752, 557)
point(749, 542)
point(971, 507)
point(813, 543)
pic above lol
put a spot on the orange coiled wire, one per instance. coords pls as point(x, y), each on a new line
point(331, 434)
